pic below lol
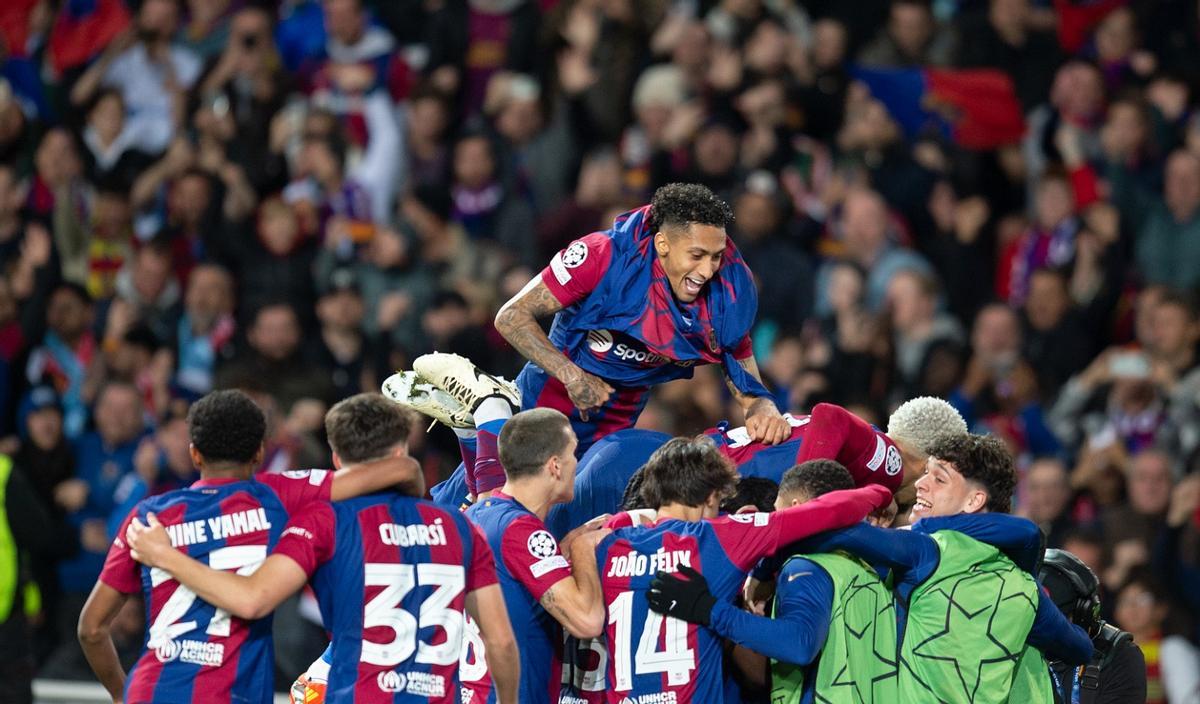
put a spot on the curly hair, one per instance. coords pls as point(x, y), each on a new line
point(632, 499)
point(985, 460)
point(815, 478)
point(921, 422)
point(758, 492)
point(682, 204)
point(687, 471)
point(226, 426)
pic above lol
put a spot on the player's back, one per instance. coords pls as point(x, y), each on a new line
point(392, 594)
point(662, 659)
point(603, 472)
point(195, 652)
point(831, 432)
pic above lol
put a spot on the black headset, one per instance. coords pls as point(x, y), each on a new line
point(1085, 609)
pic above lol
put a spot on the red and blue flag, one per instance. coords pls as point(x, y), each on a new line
point(976, 108)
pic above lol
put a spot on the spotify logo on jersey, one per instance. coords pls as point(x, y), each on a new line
point(600, 341)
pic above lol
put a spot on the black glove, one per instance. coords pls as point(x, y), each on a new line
point(685, 599)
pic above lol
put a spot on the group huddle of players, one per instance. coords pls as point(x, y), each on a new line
point(573, 558)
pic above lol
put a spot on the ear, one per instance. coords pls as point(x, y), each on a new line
point(977, 501)
point(258, 457)
point(714, 501)
point(662, 243)
point(197, 458)
point(748, 508)
point(337, 462)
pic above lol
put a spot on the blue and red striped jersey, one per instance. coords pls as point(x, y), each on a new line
point(831, 432)
point(528, 563)
point(392, 574)
point(193, 651)
point(652, 658)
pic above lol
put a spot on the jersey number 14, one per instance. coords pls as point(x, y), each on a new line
point(676, 658)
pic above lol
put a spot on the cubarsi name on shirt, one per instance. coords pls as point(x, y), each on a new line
point(407, 535)
point(218, 527)
point(633, 564)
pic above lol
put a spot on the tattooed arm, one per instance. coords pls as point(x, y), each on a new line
point(517, 321)
point(764, 422)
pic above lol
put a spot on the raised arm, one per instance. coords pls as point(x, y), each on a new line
point(517, 321)
point(245, 596)
point(487, 607)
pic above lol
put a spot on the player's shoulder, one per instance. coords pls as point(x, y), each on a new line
point(589, 253)
point(315, 477)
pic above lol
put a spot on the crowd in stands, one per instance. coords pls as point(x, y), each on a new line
point(296, 198)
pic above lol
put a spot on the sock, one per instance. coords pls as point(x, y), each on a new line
point(490, 416)
point(468, 448)
point(490, 409)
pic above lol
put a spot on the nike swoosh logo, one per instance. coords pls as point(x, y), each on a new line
point(798, 574)
point(672, 606)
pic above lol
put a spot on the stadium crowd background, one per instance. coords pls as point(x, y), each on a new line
point(297, 198)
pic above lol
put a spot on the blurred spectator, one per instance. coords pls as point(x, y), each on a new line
point(243, 89)
point(1046, 499)
point(1162, 223)
point(999, 390)
point(204, 334)
point(110, 154)
point(911, 38)
point(1056, 342)
point(67, 354)
point(1132, 529)
point(150, 71)
point(102, 459)
point(927, 343)
point(864, 234)
point(426, 122)
point(1172, 663)
point(483, 206)
point(1006, 36)
point(761, 233)
point(1113, 404)
point(470, 40)
point(597, 191)
point(146, 285)
point(273, 360)
point(276, 260)
point(354, 360)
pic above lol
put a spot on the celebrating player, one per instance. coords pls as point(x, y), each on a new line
point(833, 622)
point(195, 650)
point(943, 574)
point(893, 459)
point(392, 575)
point(541, 589)
point(649, 655)
point(636, 305)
